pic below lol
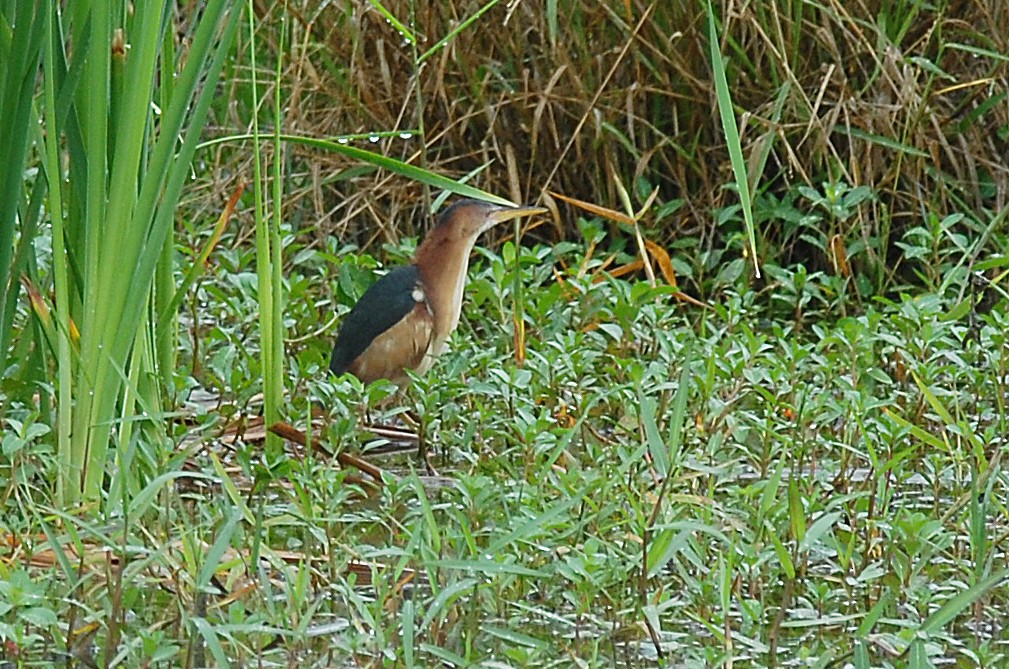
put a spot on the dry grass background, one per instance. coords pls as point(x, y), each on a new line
point(905, 98)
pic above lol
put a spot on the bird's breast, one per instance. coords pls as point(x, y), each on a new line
point(443, 282)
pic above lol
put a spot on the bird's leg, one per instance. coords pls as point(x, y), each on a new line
point(416, 419)
point(371, 412)
point(377, 425)
point(422, 451)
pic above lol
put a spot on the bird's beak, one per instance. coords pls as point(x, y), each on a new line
point(508, 213)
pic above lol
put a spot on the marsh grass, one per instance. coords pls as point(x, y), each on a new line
point(806, 470)
point(648, 482)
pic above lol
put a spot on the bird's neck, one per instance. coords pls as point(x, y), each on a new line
point(443, 263)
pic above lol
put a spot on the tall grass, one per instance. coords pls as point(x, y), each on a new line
point(22, 32)
point(120, 118)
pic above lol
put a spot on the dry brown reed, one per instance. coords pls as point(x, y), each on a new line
point(907, 101)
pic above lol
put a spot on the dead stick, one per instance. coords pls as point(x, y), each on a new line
point(291, 433)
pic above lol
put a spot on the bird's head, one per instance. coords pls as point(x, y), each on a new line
point(468, 219)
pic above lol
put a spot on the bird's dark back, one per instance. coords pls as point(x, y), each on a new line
point(384, 304)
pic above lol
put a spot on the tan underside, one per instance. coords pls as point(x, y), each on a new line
point(403, 346)
point(444, 282)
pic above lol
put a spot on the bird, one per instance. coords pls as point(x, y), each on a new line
point(403, 321)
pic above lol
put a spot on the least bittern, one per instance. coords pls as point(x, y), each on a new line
point(403, 321)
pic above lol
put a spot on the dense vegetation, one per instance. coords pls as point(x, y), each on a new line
point(686, 454)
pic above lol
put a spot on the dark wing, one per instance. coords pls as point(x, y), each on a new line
point(385, 303)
